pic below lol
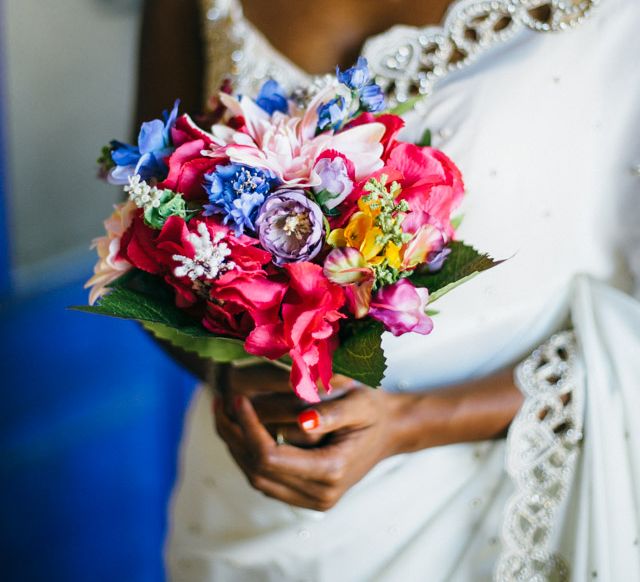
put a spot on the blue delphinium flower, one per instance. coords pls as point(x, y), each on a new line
point(272, 98)
point(356, 77)
point(147, 158)
point(372, 98)
point(237, 192)
point(332, 114)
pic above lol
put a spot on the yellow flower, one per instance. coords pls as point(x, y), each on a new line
point(370, 246)
point(364, 232)
point(366, 208)
point(360, 233)
point(357, 229)
point(392, 254)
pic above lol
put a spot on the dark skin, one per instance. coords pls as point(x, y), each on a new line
point(359, 426)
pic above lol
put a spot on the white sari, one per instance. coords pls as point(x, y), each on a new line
point(545, 130)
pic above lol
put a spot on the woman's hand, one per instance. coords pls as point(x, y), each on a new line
point(273, 398)
point(355, 431)
point(350, 434)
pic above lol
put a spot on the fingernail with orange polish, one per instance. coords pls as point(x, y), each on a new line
point(237, 402)
point(309, 419)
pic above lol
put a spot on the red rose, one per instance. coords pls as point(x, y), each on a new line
point(231, 303)
point(307, 331)
point(138, 246)
point(185, 130)
point(187, 168)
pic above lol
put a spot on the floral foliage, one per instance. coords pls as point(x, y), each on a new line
point(285, 224)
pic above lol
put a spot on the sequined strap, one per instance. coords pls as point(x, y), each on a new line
point(542, 450)
point(235, 50)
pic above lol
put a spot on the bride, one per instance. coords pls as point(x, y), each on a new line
point(538, 103)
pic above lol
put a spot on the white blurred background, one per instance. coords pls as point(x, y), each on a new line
point(70, 67)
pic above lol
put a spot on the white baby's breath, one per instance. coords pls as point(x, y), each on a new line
point(210, 258)
point(141, 194)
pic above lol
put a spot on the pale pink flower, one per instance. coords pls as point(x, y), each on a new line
point(110, 266)
point(287, 144)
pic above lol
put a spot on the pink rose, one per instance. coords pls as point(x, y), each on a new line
point(401, 307)
point(307, 331)
point(431, 184)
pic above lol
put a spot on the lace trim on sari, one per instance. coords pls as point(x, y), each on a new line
point(542, 450)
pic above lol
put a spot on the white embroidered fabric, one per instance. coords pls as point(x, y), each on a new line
point(542, 448)
point(545, 130)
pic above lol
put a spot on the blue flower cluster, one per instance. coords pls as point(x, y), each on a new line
point(358, 79)
point(237, 192)
point(332, 114)
point(272, 98)
point(366, 95)
point(147, 158)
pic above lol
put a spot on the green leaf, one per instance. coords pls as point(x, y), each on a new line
point(171, 204)
point(405, 106)
point(425, 140)
point(456, 221)
point(105, 161)
point(360, 354)
point(144, 298)
point(462, 264)
point(129, 304)
point(220, 349)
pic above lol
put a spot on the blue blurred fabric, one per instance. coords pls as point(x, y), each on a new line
point(90, 420)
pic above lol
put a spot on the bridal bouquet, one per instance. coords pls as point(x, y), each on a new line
point(298, 228)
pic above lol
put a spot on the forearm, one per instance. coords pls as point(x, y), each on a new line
point(478, 410)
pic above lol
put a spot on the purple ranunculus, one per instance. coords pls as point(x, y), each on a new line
point(290, 227)
point(335, 184)
point(401, 307)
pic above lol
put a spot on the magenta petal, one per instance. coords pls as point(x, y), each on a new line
point(267, 341)
point(302, 379)
point(401, 308)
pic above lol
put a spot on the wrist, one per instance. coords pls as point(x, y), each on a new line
point(407, 423)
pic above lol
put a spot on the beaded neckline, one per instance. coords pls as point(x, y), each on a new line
point(406, 61)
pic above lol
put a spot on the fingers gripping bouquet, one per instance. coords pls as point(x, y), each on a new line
point(289, 231)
